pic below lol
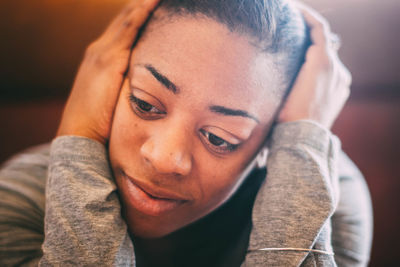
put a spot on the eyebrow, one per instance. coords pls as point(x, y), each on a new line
point(175, 89)
point(162, 79)
point(233, 112)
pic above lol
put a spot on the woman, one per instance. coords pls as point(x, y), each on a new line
point(180, 123)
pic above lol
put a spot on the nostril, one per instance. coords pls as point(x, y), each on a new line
point(184, 166)
point(146, 151)
point(146, 160)
point(167, 152)
point(166, 159)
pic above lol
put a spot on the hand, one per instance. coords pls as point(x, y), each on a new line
point(90, 106)
point(323, 83)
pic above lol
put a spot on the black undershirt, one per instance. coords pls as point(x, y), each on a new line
point(219, 239)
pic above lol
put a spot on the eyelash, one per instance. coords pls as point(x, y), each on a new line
point(139, 107)
point(224, 147)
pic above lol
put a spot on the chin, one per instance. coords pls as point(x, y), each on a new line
point(145, 215)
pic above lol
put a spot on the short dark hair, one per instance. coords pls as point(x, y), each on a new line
point(276, 25)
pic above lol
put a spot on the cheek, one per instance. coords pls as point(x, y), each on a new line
point(218, 180)
point(125, 132)
point(221, 178)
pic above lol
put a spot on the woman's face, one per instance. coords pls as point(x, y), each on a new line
point(192, 114)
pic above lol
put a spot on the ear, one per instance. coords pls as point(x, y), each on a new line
point(261, 158)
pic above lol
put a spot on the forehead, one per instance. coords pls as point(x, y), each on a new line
point(208, 61)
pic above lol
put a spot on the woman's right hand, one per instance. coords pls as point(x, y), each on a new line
point(323, 83)
point(90, 106)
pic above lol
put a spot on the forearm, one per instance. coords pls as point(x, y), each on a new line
point(22, 204)
point(352, 221)
point(293, 207)
point(83, 223)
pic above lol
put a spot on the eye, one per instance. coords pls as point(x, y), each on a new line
point(218, 144)
point(144, 109)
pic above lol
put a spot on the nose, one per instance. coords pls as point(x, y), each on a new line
point(168, 152)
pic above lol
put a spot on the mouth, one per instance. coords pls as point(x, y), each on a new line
point(149, 199)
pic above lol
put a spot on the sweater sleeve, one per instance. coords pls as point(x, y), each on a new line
point(292, 211)
point(315, 208)
point(22, 180)
point(352, 221)
point(83, 223)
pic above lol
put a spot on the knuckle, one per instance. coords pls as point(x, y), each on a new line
point(325, 60)
point(92, 49)
point(94, 55)
point(345, 74)
point(99, 60)
point(105, 57)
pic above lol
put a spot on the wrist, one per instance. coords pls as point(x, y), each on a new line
point(301, 132)
point(82, 132)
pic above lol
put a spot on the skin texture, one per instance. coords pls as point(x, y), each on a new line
point(169, 150)
point(174, 151)
point(323, 83)
point(93, 97)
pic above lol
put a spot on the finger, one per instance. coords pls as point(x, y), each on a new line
point(133, 22)
point(344, 74)
point(312, 17)
point(123, 29)
point(121, 16)
point(319, 27)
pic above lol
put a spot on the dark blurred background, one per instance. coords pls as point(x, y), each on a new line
point(43, 41)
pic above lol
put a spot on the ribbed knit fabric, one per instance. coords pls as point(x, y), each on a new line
point(59, 205)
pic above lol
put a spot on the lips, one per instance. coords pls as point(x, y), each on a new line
point(149, 199)
point(157, 192)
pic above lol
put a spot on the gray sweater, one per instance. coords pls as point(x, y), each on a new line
point(59, 205)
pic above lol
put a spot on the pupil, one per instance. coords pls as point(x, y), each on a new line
point(145, 106)
point(215, 140)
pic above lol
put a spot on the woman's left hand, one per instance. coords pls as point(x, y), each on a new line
point(323, 83)
point(94, 95)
